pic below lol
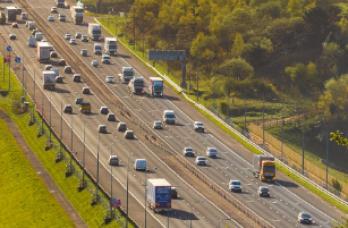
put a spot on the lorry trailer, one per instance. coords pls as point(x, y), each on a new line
point(49, 79)
point(156, 86)
point(159, 194)
point(94, 31)
point(110, 45)
point(43, 51)
point(77, 14)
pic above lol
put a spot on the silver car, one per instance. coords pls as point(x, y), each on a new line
point(188, 152)
point(235, 186)
point(50, 18)
point(94, 63)
point(198, 126)
point(157, 124)
point(201, 161)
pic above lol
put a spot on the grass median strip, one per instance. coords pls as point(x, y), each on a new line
point(112, 29)
point(92, 216)
point(25, 200)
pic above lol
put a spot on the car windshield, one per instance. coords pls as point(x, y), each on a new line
point(170, 115)
point(212, 150)
point(269, 168)
point(199, 124)
point(158, 83)
point(306, 216)
point(235, 183)
point(128, 72)
point(188, 149)
point(201, 159)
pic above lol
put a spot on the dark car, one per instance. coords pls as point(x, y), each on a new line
point(121, 126)
point(263, 191)
point(304, 218)
point(68, 108)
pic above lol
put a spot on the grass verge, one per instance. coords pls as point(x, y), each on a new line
point(92, 216)
point(112, 28)
point(25, 201)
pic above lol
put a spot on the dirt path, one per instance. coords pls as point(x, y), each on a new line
point(54, 190)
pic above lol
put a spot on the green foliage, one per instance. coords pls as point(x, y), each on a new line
point(337, 185)
point(339, 138)
point(333, 102)
point(236, 68)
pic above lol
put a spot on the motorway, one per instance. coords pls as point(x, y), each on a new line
point(280, 210)
point(188, 207)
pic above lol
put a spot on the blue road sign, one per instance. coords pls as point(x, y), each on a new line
point(167, 55)
point(8, 48)
point(18, 59)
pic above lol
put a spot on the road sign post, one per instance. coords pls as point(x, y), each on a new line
point(172, 55)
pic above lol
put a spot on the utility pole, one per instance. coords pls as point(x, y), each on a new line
point(59, 156)
point(34, 86)
point(83, 182)
point(245, 117)
point(281, 139)
point(197, 89)
point(327, 158)
point(127, 218)
point(303, 149)
point(96, 194)
point(263, 120)
point(9, 73)
point(41, 132)
point(145, 196)
point(50, 137)
point(111, 177)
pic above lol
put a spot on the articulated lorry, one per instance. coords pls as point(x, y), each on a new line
point(94, 31)
point(110, 45)
point(136, 85)
point(49, 79)
point(44, 51)
point(77, 14)
point(156, 86)
point(264, 167)
point(11, 13)
point(159, 195)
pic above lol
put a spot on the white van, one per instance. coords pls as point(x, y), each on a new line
point(140, 164)
point(168, 116)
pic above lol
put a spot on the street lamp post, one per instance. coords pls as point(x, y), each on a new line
point(111, 177)
point(59, 156)
point(96, 194)
point(127, 190)
point(83, 183)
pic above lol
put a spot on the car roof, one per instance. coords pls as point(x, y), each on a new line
point(168, 111)
point(234, 180)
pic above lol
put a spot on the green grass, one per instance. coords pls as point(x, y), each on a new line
point(92, 216)
point(25, 199)
point(299, 180)
point(113, 26)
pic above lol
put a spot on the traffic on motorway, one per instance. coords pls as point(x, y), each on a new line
point(255, 184)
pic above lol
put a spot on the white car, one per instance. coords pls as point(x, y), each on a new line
point(157, 124)
point(140, 164)
point(198, 126)
point(188, 152)
point(72, 41)
point(50, 18)
point(109, 79)
point(304, 218)
point(54, 9)
point(235, 186)
point(201, 160)
point(211, 152)
point(12, 36)
point(168, 117)
point(94, 63)
point(113, 160)
point(67, 36)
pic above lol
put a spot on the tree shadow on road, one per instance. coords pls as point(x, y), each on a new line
point(287, 184)
point(179, 214)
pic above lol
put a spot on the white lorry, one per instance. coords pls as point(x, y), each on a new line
point(77, 14)
point(94, 31)
point(159, 194)
point(110, 45)
point(127, 73)
point(49, 79)
point(43, 51)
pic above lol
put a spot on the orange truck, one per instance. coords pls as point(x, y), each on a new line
point(264, 167)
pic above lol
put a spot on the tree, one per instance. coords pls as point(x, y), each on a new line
point(237, 68)
point(333, 102)
point(238, 45)
point(203, 50)
point(339, 138)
